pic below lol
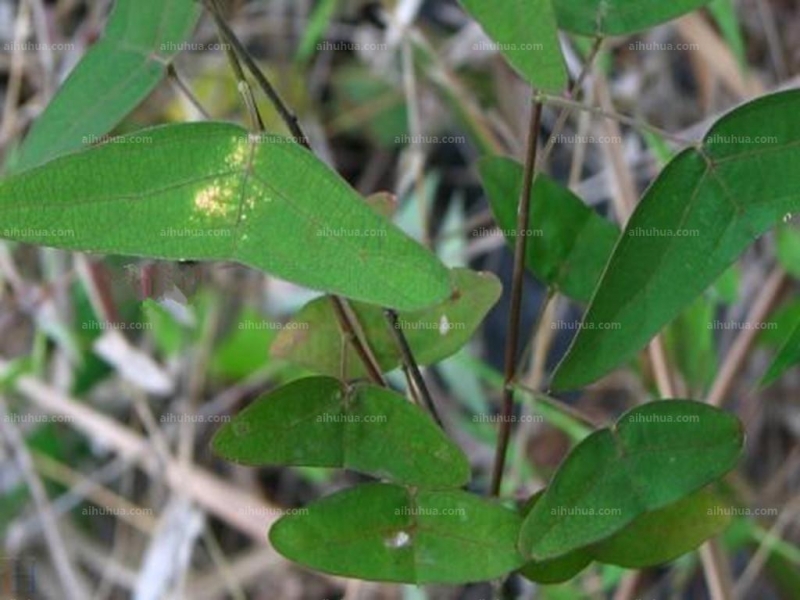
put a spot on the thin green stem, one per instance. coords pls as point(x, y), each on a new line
point(571, 92)
point(624, 119)
point(347, 320)
point(242, 85)
point(288, 117)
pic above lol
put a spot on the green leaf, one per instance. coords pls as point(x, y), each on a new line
point(555, 570)
point(389, 533)
point(654, 538)
point(788, 356)
point(116, 74)
point(655, 455)
point(169, 334)
point(526, 34)
point(690, 344)
point(618, 17)
point(788, 249)
point(697, 218)
point(314, 339)
point(663, 535)
point(315, 29)
point(569, 242)
point(245, 350)
point(321, 422)
point(724, 14)
point(208, 191)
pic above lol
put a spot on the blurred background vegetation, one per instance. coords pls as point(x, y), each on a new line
point(105, 464)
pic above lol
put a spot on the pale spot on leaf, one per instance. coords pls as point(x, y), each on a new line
point(399, 540)
point(444, 325)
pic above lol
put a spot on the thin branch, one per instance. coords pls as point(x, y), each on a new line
point(410, 364)
point(257, 123)
point(72, 586)
point(350, 329)
point(515, 312)
point(738, 353)
point(624, 119)
point(717, 571)
point(286, 115)
point(571, 93)
point(347, 321)
point(176, 79)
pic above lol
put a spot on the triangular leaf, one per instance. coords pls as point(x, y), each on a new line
point(526, 34)
point(663, 535)
point(697, 218)
point(208, 191)
point(654, 538)
point(619, 17)
point(320, 422)
point(314, 340)
point(655, 455)
point(388, 533)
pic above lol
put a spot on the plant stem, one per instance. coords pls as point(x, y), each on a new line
point(172, 73)
point(349, 326)
point(515, 312)
point(758, 313)
point(347, 321)
point(571, 93)
point(624, 119)
point(411, 365)
point(288, 117)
